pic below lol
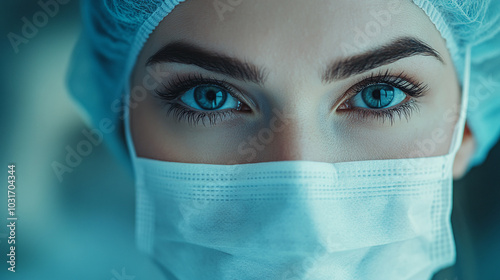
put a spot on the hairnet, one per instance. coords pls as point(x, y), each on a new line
point(114, 32)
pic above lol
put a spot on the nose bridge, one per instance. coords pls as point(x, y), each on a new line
point(292, 135)
point(294, 128)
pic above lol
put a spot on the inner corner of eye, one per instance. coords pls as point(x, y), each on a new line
point(345, 105)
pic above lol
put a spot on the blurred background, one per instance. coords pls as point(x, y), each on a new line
point(82, 227)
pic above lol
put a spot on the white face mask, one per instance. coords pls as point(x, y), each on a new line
point(378, 219)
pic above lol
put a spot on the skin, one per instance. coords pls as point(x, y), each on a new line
point(295, 41)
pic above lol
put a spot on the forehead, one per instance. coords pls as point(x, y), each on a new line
point(284, 34)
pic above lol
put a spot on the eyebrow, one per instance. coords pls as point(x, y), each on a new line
point(387, 54)
point(185, 53)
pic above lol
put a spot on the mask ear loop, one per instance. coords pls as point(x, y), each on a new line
point(140, 39)
point(144, 203)
point(126, 118)
point(460, 125)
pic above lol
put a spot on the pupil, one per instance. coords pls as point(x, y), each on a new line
point(376, 94)
point(210, 97)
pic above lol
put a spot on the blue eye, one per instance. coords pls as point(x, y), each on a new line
point(378, 96)
point(209, 98)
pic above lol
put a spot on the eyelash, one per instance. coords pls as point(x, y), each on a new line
point(403, 82)
point(175, 88)
point(179, 85)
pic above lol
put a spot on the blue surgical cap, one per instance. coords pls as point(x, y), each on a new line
point(114, 32)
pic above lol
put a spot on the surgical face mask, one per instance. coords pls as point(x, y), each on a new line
point(377, 219)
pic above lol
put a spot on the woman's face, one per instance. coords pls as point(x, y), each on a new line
point(235, 81)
